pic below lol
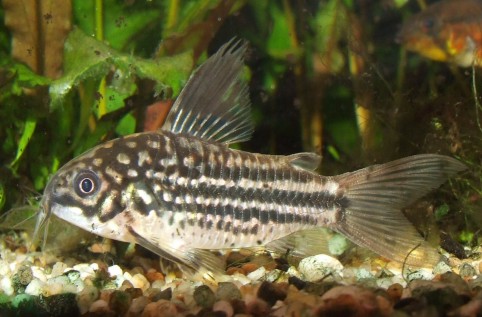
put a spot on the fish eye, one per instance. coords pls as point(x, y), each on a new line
point(428, 24)
point(86, 183)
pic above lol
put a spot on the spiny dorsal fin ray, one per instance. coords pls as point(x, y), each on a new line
point(376, 196)
point(214, 104)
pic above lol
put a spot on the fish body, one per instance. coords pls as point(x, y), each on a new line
point(446, 31)
point(181, 191)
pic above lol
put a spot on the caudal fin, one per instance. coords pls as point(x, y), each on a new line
point(377, 194)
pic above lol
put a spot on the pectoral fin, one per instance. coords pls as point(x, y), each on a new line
point(191, 261)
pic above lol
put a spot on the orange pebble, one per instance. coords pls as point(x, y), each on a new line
point(250, 267)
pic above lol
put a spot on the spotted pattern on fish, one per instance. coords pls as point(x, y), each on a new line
point(194, 184)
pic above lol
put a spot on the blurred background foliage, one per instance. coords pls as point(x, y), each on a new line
point(325, 76)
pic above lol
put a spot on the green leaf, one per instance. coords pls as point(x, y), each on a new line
point(28, 130)
point(87, 58)
point(2, 195)
point(121, 22)
point(280, 43)
point(441, 211)
point(127, 125)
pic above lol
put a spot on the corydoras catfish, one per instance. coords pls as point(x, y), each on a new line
point(182, 191)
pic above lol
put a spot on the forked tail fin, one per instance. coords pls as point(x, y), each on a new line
point(377, 194)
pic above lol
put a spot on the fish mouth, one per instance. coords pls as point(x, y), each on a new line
point(43, 217)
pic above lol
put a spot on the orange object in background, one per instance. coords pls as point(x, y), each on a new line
point(446, 31)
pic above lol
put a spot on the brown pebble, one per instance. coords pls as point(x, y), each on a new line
point(351, 301)
point(153, 275)
point(165, 295)
point(105, 295)
point(126, 285)
point(395, 292)
point(233, 270)
point(161, 308)
point(137, 306)
point(120, 302)
point(250, 267)
point(225, 307)
point(271, 292)
point(134, 292)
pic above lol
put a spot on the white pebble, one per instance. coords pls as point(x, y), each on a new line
point(38, 273)
point(317, 267)
point(4, 268)
point(85, 270)
point(114, 270)
point(420, 274)
point(35, 287)
point(441, 268)
point(258, 274)
point(6, 285)
point(140, 281)
point(58, 269)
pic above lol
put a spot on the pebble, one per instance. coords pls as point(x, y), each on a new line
point(355, 300)
point(467, 271)
point(99, 306)
point(227, 291)
point(271, 292)
point(204, 296)
point(441, 268)
point(86, 297)
point(257, 274)
point(161, 308)
point(137, 306)
point(139, 281)
point(225, 307)
point(120, 302)
point(114, 271)
point(395, 292)
point(33, 288)
point(6, 286)
point(318, 267)
point(58, 269)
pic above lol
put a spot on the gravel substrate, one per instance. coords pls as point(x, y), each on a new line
point(41, 284)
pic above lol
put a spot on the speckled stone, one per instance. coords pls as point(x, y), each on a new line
point(467, 271)
point(317, 267)
point(204, 296)
point(120, 302)
point(227, 291)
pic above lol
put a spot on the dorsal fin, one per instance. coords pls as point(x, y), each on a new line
point(214, 104)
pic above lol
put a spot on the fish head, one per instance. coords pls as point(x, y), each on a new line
point(446, 31)
point(422, 34)
point(92, 190)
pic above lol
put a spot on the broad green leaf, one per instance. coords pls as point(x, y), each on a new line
point(86, 58)
point(121, 22)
